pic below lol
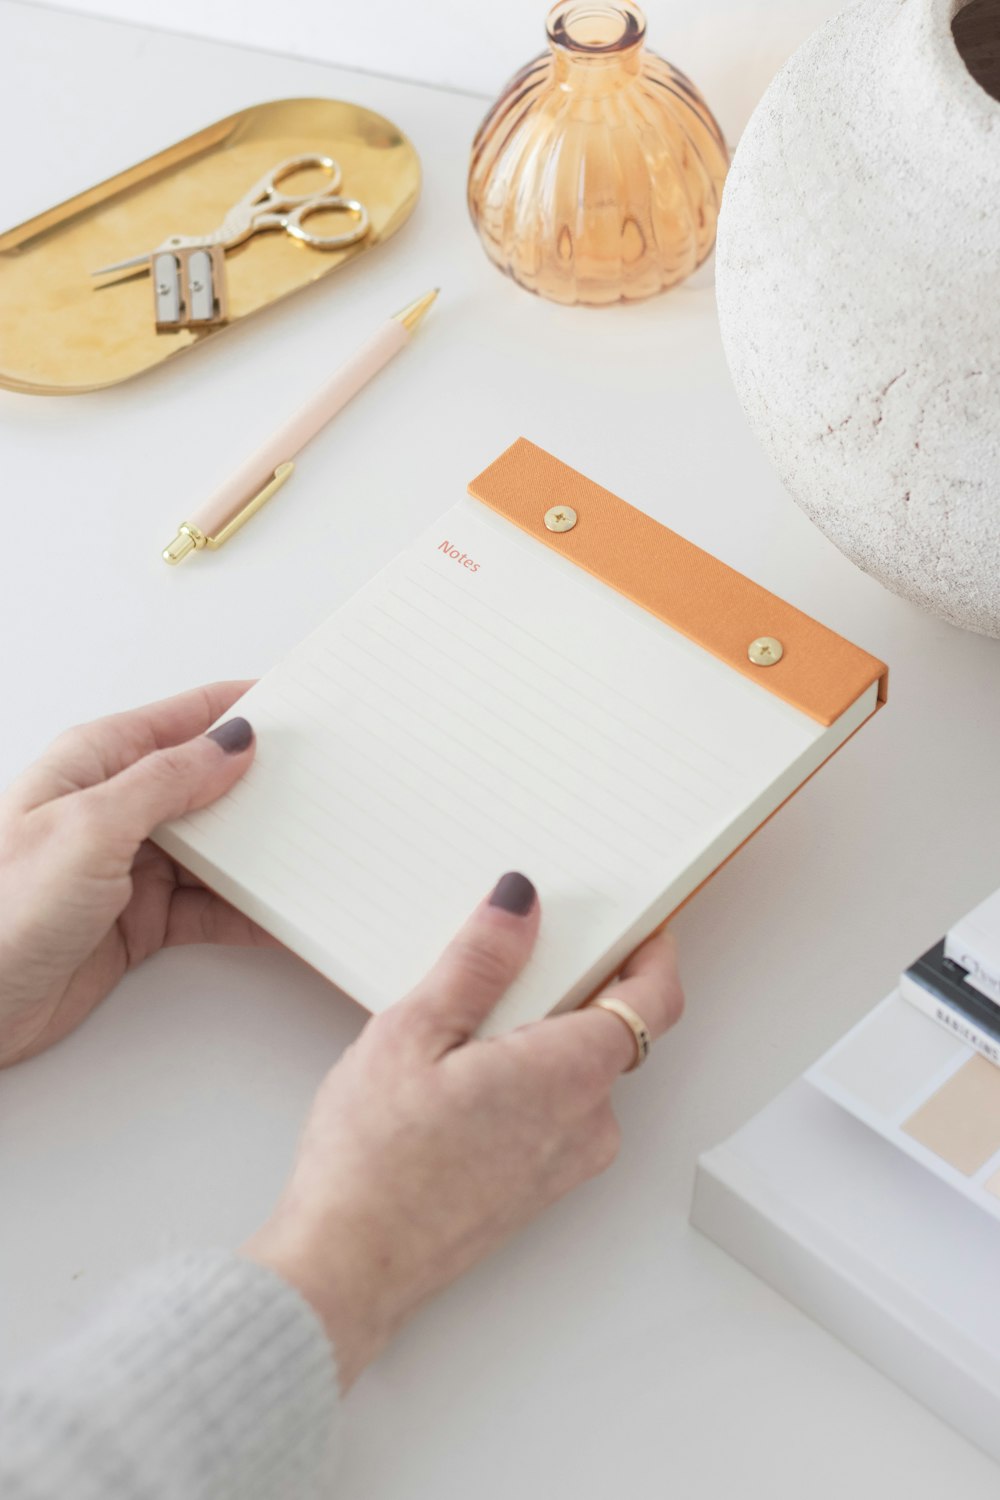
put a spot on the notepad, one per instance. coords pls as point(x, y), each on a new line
point(578, 704)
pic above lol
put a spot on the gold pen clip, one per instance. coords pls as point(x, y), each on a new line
point(190, 539)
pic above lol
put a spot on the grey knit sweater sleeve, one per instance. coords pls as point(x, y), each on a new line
point(207, 1378)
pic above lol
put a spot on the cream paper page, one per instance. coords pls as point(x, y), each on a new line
point(459, 718)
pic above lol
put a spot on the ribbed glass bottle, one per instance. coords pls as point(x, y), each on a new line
point(597, 174)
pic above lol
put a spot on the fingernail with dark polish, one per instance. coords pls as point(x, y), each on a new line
point(514, 893)
point(234, 735)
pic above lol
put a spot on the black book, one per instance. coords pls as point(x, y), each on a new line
point(939, 987)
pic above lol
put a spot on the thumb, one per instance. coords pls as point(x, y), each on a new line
point(478, 965)
point(173, 781)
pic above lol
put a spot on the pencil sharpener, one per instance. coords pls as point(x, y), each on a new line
point(189, 287)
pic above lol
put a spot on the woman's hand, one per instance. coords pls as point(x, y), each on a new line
point(83, 896)
point(427, 1147)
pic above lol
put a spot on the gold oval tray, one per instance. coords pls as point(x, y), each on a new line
point(61, 331)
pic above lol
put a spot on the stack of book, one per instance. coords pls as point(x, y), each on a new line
point(957, 982)
point(869, 1191)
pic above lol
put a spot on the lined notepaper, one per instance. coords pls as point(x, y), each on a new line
point(483, 705)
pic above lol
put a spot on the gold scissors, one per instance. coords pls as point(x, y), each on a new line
point(189, 271)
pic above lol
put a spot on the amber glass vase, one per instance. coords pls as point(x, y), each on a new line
point(597, 174)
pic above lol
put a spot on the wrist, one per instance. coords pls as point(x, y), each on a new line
point(345, 1293)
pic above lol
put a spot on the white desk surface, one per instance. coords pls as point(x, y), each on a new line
point(610, 1350)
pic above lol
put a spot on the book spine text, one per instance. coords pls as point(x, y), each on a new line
point(950, 1017)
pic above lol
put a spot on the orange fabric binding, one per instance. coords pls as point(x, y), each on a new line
point(820, 673)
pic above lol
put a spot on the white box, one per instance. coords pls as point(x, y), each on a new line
point(882, 1253)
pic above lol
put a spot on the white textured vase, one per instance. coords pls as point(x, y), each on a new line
point(859, 291)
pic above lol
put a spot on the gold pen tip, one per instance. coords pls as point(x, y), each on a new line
point(412, 314)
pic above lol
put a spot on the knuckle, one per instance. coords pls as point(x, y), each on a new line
point(166, 766)
point(81, 819)
point(82, 831)
point(71, 755)
point(393, 1031)
point(76, 737)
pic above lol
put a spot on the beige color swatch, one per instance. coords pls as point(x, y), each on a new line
point(961, 1121)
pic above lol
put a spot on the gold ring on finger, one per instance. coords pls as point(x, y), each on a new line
point(640, 1031)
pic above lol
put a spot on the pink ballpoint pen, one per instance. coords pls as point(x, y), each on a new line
point(265, 471)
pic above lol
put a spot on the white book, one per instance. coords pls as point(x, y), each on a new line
point(493, 700)
point(953, 1017)
point(877, 1250)
point(974, 943)
point(868, 1192)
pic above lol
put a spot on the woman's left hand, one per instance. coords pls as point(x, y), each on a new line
point(83, 896)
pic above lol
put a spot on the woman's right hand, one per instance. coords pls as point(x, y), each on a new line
point(427, 1147)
